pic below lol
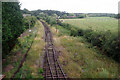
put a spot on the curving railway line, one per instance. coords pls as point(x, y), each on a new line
point(51, 65)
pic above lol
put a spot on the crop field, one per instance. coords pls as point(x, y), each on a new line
point(95, 23)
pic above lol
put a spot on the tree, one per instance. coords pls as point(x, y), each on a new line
point(71, 14)
point(12, 25)
point(25, 11)
point(81, 15)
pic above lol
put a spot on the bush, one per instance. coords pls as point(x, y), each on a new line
point(29, 20)
point(12, 25)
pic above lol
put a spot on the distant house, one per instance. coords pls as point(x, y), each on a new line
point(62, 20)
point(24, 15)
point(71, 16)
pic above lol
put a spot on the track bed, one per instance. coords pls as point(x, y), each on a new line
point(51, 65)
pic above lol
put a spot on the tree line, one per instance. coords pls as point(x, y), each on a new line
point(65, 15)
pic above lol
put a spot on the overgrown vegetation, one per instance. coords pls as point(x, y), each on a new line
point(13, 25)
point(32, 67)
point(12, 61)
point(29, 21)
point(79, 59)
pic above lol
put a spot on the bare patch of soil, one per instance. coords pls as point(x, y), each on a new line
point(8, 68)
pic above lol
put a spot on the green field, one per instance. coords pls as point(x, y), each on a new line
point(95, 23)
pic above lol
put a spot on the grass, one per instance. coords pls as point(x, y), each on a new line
point(12, 61)
point(95, 23)
point(80, 60)
point(33, 63)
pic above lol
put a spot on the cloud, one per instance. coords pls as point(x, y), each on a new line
point(76, 6)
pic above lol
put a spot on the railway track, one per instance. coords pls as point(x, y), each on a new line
point(51, 65)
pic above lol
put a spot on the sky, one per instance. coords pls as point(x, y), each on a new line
point(72, 6)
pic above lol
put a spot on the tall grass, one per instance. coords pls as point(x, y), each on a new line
point(80, 60)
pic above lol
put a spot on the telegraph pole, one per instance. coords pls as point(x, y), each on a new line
point(57, 22)
point(56, 25)
point(29, 27)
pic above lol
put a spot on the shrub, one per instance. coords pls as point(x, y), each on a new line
point(12, 25)
point(29, 20)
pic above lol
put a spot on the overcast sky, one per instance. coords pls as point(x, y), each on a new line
point(73, 6)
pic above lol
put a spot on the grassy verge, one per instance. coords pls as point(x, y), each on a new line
point(12, 61)
point(80, 60)
point(32, 67)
